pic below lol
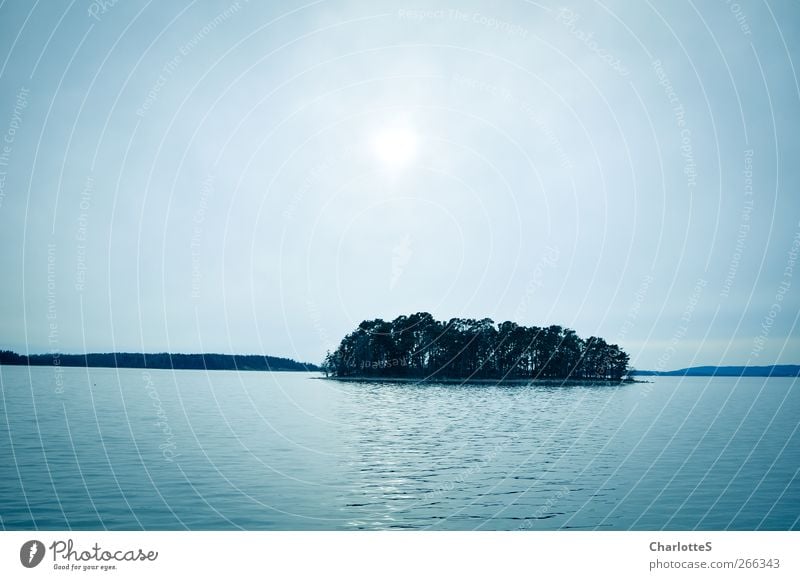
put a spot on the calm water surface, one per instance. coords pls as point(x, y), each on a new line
point(132, 449)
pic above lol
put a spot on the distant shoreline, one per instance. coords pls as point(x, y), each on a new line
point(155, 361)
point(773, 371)
point(241, 370)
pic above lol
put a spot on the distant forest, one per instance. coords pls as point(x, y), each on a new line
point(215, 362)
point(729, 371)
point(420, 346)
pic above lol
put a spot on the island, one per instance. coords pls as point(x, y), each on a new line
point(162, 360)
point(422, 348)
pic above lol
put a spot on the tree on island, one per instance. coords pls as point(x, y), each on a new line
point(418, 346)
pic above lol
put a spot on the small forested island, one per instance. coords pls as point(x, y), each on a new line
point(421, 347)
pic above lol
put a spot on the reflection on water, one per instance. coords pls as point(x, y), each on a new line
point(133, 449)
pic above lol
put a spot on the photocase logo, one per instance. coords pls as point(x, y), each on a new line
point(31, 553)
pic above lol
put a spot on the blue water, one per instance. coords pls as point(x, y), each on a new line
point(132, 449)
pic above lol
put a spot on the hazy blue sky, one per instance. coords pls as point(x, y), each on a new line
point(260, 177)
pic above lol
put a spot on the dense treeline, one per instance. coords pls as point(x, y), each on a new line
point(217, 362)
point(420, 346)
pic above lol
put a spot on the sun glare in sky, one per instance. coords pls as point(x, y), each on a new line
point(395, 147)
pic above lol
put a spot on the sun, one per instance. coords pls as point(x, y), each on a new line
point(395, 147)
